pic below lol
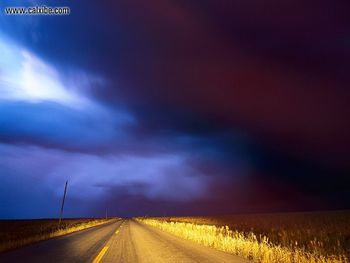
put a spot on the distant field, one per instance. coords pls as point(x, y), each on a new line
point(322, 233)
point(17, 233)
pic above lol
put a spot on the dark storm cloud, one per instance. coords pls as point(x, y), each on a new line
point(59, 126)
point(276, 71)
point(251, 96)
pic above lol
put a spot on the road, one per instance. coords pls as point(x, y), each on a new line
point(122, 241)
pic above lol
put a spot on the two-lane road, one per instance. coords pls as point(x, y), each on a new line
point(122, 241)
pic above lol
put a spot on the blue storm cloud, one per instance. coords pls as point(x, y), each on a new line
point(145, 107)
point(43, 114)
point(32, 176)
point(53, 124)
point(38, 104)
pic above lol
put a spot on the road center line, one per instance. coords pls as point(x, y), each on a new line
point(116, 232)
point(100, 255)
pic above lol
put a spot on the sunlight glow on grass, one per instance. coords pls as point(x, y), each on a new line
point(243, 245)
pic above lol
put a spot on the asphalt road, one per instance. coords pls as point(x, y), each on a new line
point(123, 241)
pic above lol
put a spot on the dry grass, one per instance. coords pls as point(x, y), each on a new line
point(18, 233)
point(289, 237)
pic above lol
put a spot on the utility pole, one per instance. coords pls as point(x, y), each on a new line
point(62, 206)
point(106, 212)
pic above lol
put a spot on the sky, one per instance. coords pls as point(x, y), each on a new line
point(166, 107)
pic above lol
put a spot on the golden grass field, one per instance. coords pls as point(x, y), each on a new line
point(17, 233)
point(318, 237)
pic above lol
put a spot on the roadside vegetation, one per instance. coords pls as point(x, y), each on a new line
point(318, 237)
point(17, 233)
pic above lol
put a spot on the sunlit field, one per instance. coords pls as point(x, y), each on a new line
point(286, 237)
point(17, 233)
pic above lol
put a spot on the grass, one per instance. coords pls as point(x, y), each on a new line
point(18, 233)
point(319, 237)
